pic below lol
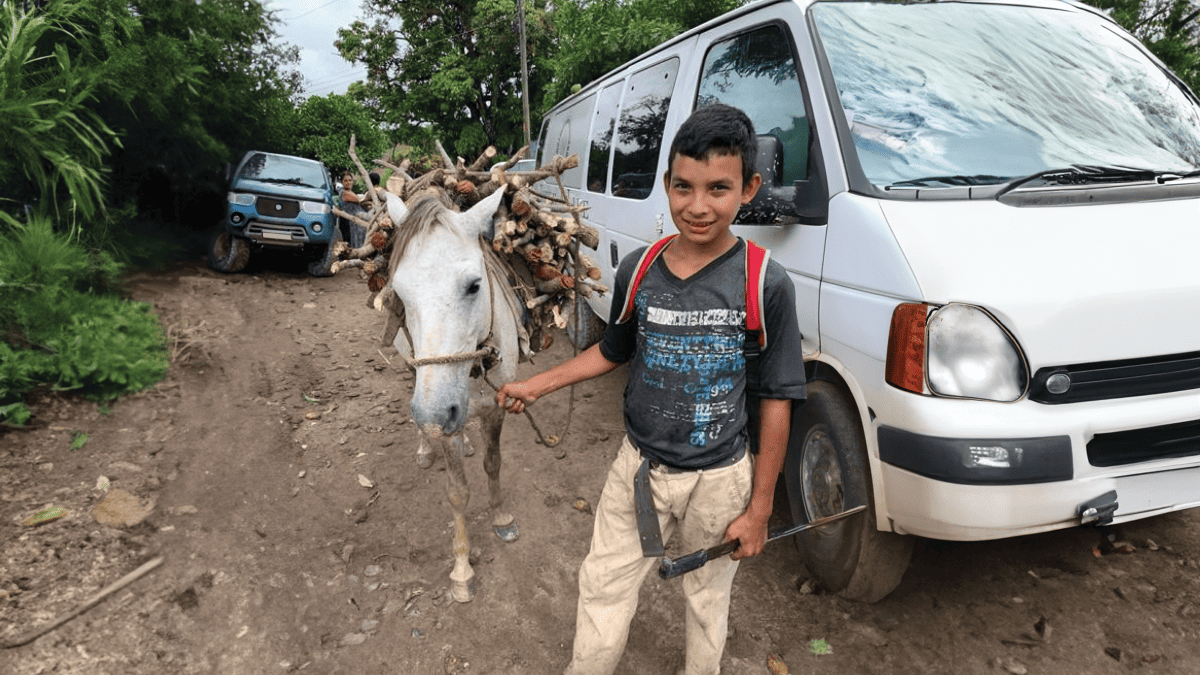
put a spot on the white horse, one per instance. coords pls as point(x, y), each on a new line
point(459, 314)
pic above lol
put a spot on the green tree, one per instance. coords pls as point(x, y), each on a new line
point(1169, 28)
point(187, 86)
point(595, 36)
point(49, 137)
point(324, 124)
point(450, 70)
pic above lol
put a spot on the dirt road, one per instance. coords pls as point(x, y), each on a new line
point(279, 559)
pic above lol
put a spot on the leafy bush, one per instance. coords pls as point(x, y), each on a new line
point(63, 325)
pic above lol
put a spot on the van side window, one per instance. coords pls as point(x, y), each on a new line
point(539, 156)
point(568, 136)
point(640, 135)
point(755, 72)
point(602, 136)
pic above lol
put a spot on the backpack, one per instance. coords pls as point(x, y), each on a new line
point(756, 332)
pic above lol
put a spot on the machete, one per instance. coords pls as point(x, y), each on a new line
point(671, 568)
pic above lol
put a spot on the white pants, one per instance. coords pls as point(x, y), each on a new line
point(701, 504)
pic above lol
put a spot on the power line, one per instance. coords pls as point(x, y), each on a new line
point(311, 11)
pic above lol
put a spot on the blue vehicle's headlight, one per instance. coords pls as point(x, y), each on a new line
point(319, 208)
point(239, 198)
point(972, 356)
point(316, 227)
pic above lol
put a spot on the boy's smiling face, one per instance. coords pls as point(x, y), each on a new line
point(705, 196)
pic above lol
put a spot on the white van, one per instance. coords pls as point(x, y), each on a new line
point(991, 213)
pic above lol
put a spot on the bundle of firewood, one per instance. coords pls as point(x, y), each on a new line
point(538, 237)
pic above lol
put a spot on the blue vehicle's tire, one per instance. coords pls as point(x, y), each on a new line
point(227, 253)
point(321, 266)
point(827, 472)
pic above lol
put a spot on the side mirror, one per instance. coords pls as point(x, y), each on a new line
point(803, 201)
point(773, 203)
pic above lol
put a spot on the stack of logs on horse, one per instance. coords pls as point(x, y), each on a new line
point(472, 270)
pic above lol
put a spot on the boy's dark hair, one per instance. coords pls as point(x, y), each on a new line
point(717, 129)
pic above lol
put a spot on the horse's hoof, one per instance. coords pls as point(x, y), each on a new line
point(507, 533)
point(462, 591)
point(424, 459)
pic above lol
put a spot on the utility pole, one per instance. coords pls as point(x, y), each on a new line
point(524, 68)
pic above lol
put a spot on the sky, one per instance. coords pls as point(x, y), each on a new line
point(312, 26)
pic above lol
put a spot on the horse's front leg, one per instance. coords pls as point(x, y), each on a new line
point(503, 522)
point(425, 454)
point(462, 577)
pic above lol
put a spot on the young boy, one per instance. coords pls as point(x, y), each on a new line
point(685, 405)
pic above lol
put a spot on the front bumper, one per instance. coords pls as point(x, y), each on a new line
point(303, 230)
point(930, 486)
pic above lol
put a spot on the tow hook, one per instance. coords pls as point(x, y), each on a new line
point(1098, 511)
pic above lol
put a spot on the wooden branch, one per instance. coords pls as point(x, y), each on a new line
point(517, 156)
point(352, 218)
point(95, 600)
point(449, 163)
point(365, 176)
point(484, 159)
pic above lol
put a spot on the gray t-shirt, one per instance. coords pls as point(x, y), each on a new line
point(685, 402)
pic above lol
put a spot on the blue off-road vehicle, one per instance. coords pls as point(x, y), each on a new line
point(277, 201)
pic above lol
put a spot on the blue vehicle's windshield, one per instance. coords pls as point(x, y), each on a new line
point(284, 170)
point(992, 92)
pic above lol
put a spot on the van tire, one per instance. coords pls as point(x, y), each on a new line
point(321, 266)
point(226, 252)
point(826, 471)
point(584, 328)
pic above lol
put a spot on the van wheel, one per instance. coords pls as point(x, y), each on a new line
point(321, 266)
point(584, 328)
point(826, 472)
point(227, 253)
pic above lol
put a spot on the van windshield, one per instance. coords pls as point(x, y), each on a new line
point(977, 94)
point(284, 170)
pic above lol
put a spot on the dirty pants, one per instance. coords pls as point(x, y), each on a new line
point(701, 504)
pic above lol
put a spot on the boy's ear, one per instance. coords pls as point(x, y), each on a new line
point(751, 188)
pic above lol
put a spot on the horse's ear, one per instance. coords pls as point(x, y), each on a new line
point(396, 209)
point(478, 219)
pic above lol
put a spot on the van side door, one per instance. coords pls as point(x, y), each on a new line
point(752, 63)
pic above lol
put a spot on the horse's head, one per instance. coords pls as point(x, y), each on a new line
point(438, 273)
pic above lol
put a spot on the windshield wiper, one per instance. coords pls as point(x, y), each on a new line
point(951, 181)
point(1087, 174)
point(285, 181)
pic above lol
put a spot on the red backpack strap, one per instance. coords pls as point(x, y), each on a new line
point(756, 275)
point(643, 266)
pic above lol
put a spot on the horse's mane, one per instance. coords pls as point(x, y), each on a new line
point(428, 210)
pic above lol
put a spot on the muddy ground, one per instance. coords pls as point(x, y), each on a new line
point(279, 560)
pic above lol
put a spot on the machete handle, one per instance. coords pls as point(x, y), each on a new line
point(671, 568)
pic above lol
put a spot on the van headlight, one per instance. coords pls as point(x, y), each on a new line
point(970, 355)
point(314, 207)
point(239, 198)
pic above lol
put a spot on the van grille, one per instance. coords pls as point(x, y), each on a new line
point(277, 208)
point(1143, 445)
point(1120, 379)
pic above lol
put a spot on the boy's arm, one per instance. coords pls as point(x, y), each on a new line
point(750, 528)
point(590, 363)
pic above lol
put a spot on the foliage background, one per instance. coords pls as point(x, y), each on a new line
point(119, 119)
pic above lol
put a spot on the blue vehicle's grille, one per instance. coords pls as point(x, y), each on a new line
point(277, 208)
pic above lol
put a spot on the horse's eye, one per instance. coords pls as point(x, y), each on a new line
point(473, 288)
